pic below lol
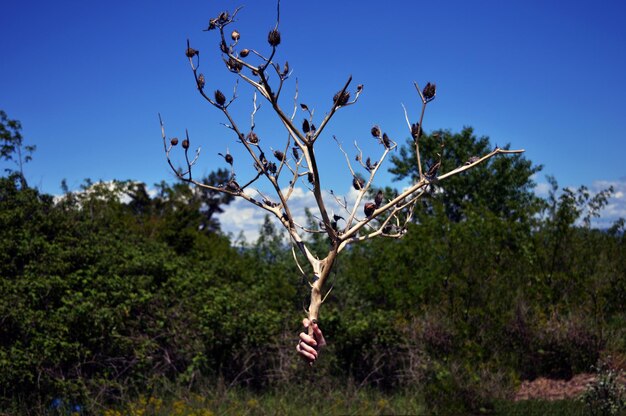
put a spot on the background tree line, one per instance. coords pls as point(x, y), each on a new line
point(111, 292)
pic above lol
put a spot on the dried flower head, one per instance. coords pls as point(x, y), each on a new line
point(252, 138)
point(223, 17)
point(191, 52)
point(358, 183)
point(429, 91)
point(369, 209)
point(295, 152)
point(305, 126)
point(220, 99)
point(279, 155)
point(233, 186)
point(244, 53)
point(375, 131)
point(228, 158)
point(386, 141)
point(273, 38)
point(234, 65)
point(212, 24)
point(379, 198)
point(235, 35)
point(369, 165)
point(174, 141)
point(416, 131)
point(185, 144)
point(200, 81)
point(341, 98)
point(310, 178)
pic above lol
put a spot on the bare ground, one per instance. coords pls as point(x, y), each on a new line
point(548, 389)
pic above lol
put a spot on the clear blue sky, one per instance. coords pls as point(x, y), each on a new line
point(87, 79)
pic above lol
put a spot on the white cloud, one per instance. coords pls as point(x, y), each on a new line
point(616, 207)
point(542, 189)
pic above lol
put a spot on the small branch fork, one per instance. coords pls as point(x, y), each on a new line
point(297, 158)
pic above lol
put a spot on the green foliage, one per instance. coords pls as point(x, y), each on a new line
point(12, 148)
point(540, 408)
point(111, 293)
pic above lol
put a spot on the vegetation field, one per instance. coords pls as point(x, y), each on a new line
point(119, 300)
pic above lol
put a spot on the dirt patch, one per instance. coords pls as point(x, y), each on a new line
point(548, 389)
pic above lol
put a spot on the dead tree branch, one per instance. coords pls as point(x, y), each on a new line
point(296, 157)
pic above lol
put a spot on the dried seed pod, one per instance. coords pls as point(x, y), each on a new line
point(429, 91)
point(185, 144)
point(212, 24)
point(386, 141)
point(233, 186)
point(285, 69)
point(273, 38)
point(244, 53)
point(252, 138)
point(228, 158)
point(358, 183)
point(369, 165)
point(341, 98)
point(235, 35)
point(223, 17)
point(416, 131)
point(313, 127)
point(200, 81)
point(174, 141)
point(375, 131)
point(234, 65)
point(191, 52)
point(359, 88)
point(219, 97)
point(271, 167)
point(310, 178)
point(379, 198)
point(279, 155)
point(296, 154)
point(369, 209)
point(304, 107)
point(305, 126)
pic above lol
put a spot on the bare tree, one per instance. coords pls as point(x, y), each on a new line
point(370, 215)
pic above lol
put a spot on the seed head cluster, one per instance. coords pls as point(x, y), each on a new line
point(273, 38)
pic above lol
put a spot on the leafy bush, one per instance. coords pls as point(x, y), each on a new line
point(606, 395)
